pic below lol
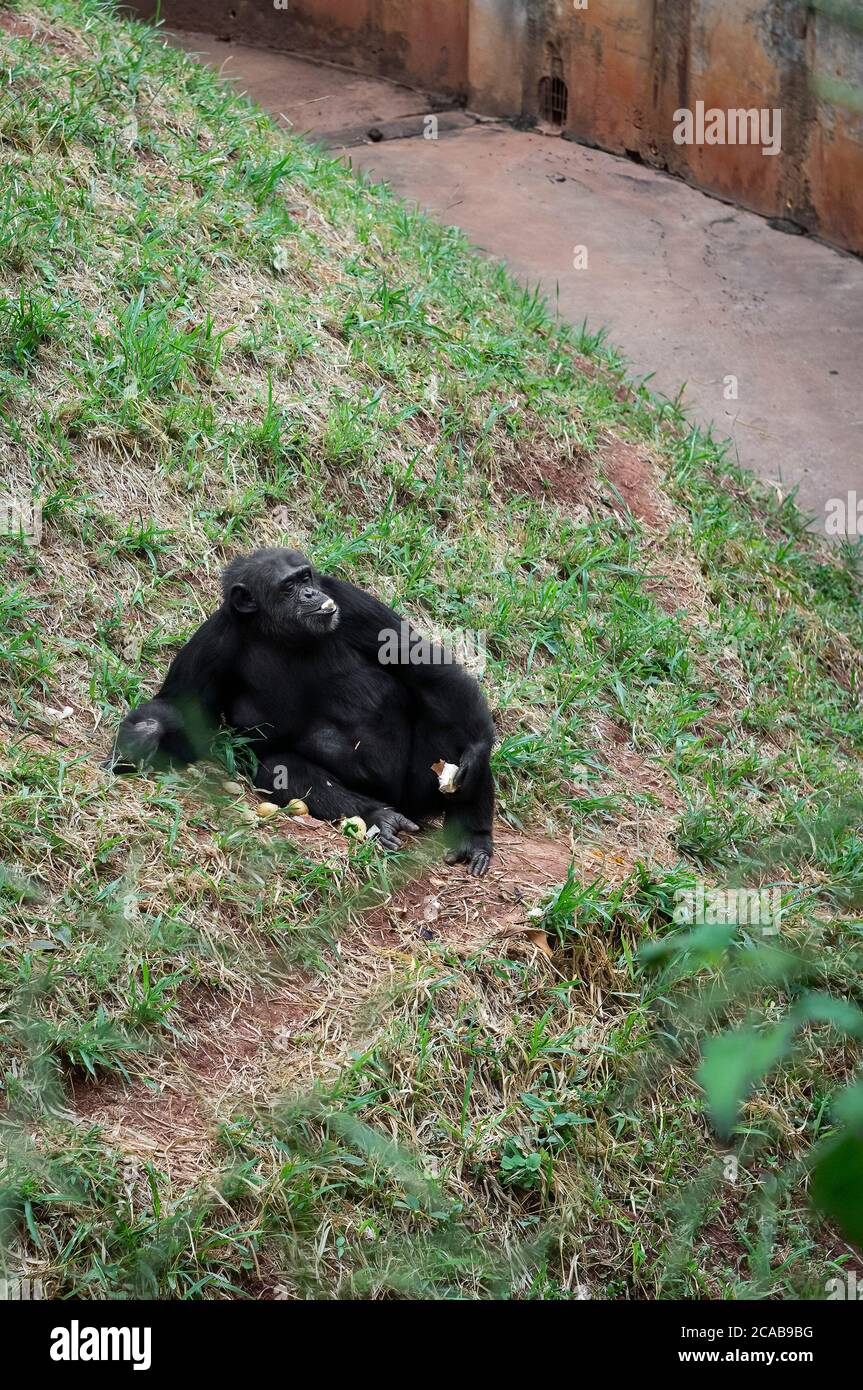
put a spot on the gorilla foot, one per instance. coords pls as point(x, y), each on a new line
point(475, 852)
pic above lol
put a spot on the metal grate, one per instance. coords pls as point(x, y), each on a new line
point(553, 101)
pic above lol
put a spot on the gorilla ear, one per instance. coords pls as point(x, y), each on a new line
point(241, 599)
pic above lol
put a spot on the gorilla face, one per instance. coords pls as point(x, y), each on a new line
point(280, 590)
point(298, 605)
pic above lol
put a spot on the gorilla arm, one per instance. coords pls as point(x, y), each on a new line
point(445, 693)
point(177, 727)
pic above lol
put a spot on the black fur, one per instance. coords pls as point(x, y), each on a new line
point(329, 723)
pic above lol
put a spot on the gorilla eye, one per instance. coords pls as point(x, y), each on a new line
point(301, 577)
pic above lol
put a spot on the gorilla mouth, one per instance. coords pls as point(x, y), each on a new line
point(325, 618)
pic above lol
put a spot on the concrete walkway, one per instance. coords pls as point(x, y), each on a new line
point(691, 290)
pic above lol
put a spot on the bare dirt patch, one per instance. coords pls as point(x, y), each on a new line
point(564, 481)
point(169, 1120)
point(629, 470)
point(672, 577)
point(463, 913)
point(236, 1052)
point(27, 26)
point(17, 26)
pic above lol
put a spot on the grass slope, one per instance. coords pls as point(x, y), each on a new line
point(213, 337)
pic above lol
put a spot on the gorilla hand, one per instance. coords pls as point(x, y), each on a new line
point(389, 823)
point(160, 735)
point(473, 761)
point(153, 735)
point(138, 741)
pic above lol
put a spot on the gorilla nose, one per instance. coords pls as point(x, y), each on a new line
point(309, 593)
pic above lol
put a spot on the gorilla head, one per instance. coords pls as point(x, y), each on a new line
point(279, 592)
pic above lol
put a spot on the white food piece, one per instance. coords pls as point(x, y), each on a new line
point(446, 776)
point(56, 716)
point(431, 908)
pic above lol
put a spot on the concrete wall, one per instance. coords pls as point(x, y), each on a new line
point(420, 42)
point(628, 66)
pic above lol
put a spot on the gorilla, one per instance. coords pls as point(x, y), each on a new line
point(301, 664)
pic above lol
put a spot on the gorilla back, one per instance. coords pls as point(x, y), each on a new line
point(300, 663)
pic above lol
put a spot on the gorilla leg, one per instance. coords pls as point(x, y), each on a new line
point(468, 819)
point(285, 776)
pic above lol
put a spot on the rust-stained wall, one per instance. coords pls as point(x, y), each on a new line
point(628, 65)
point(420, 42)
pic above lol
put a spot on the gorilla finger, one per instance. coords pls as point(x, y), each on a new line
point(479, 865)
point(402, 823)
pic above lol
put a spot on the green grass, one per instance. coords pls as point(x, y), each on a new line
point(213, 337)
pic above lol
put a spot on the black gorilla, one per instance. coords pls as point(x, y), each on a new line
point(300, 663)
